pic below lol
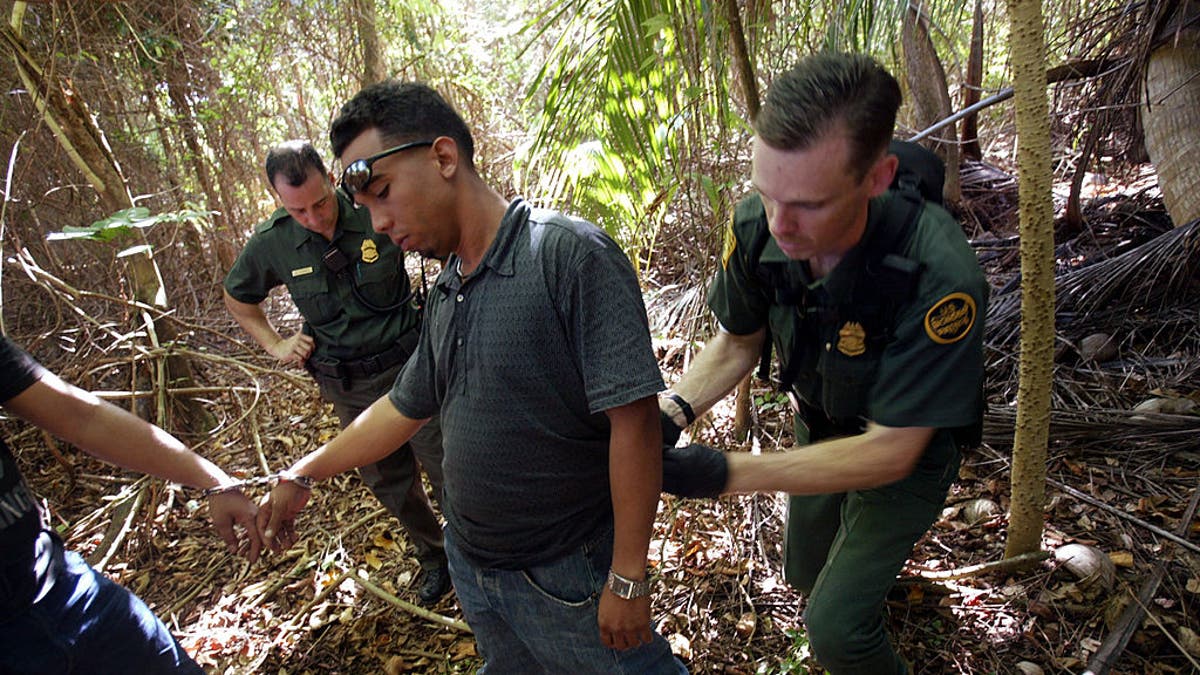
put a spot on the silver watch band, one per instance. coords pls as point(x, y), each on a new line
point(626, 588)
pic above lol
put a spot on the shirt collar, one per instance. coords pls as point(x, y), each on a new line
point(349, 219)
point(500, 256)
point(840, 281)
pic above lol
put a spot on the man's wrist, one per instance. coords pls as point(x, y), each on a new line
point(301, 481)
point(626, 588)
point(677, 408)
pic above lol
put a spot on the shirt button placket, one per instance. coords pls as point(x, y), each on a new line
point(460, 323)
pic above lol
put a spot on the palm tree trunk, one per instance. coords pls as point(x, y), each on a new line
point(745, 70)
point(931, 96)
point(1171, 116)
point(1028, 50)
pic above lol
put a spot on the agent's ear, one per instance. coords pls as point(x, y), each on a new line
point(445, 153)
point(880, 175)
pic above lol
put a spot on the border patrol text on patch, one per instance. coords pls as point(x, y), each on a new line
point(950, 319)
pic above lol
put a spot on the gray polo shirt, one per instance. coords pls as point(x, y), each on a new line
point(522, 359)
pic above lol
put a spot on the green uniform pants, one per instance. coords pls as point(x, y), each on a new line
point(395, 480)
point(844, 551)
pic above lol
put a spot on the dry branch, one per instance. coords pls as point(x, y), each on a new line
point(1006, 565)
point(410, 607)
point(1125, 516)
point(1114, 644)
point(126, 510)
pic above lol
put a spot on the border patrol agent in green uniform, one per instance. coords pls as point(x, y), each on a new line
point(874, 303)
point(360, 326)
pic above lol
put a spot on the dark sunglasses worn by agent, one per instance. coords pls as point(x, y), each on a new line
point(357, 176)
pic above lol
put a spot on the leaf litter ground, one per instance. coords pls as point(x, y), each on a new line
point(722, 601)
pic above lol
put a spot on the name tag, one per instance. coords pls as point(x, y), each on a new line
point(302, 271)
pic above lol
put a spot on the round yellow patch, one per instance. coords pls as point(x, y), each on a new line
point(950, 319)
point(369, 253)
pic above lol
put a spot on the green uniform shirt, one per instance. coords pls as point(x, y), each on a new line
point(923, 368)
point(282, 251)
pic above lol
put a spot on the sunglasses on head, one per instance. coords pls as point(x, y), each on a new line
point(356, 176)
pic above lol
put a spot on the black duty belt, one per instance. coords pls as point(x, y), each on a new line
point(365, 366)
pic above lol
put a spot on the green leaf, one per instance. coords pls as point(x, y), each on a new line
point(122, 223)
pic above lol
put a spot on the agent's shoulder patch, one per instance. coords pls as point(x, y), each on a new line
point(951, 318)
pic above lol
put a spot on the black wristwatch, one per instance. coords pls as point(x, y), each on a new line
point(626, 588)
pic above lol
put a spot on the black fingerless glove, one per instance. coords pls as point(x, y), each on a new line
point(670, 430)
point(694, 471)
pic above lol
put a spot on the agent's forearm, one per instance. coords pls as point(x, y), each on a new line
point(254, 321)
point(880, 456)
point(718, 368)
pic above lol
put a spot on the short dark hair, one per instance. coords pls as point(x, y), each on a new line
point(824, 91)
point(402, 112)
point(293, 159)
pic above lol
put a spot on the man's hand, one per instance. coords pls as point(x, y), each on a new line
point(293, 351)
point(694, 471)
point(624, 624)
point(233, 517)
point(277, 515)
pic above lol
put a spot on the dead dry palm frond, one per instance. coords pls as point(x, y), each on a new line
point(1145, 278)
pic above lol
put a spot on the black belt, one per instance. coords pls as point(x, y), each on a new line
point(365, 366)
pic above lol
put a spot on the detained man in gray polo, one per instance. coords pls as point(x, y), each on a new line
point(536, 353)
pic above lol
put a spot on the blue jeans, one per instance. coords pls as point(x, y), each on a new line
point(88, 624)
point(543, 619)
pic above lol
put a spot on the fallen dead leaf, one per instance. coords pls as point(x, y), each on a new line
point(463, 650)
point(1189, 640)
point(746, 625)
point(386, 541)
point(1122, 558)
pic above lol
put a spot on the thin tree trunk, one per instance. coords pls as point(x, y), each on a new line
point(741, 58)
point(1028, 51)
point(972, 87)
point(185, 117)
point(745, 70)
point(374, 69)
